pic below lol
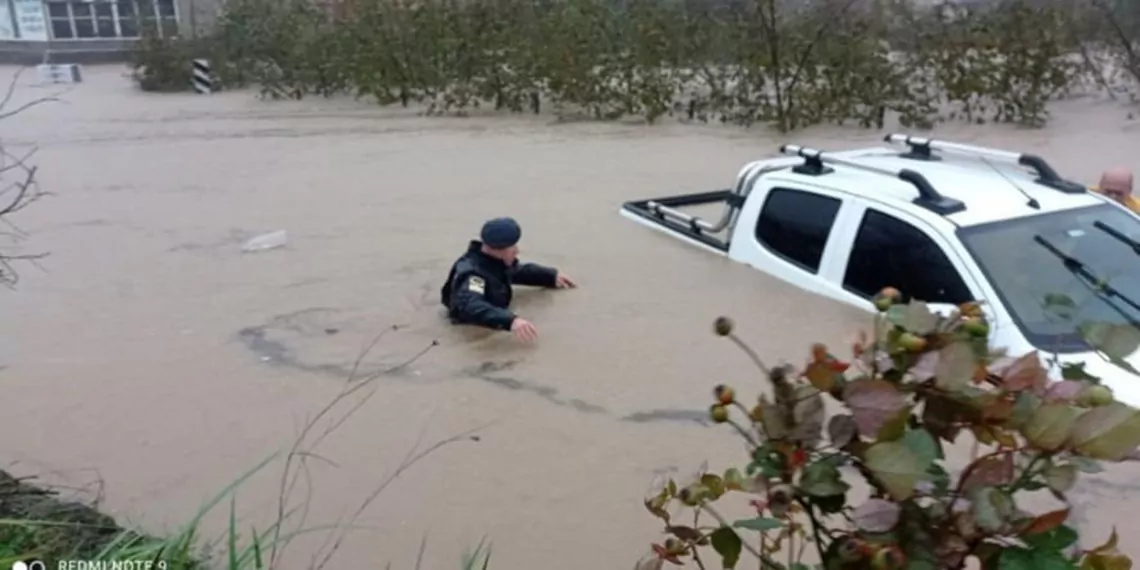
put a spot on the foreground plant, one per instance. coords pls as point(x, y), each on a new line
point(875, 492)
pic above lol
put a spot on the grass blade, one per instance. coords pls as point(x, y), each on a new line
point(258, 563)
point(233, 535)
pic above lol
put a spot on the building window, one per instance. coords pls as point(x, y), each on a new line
point(87, 19)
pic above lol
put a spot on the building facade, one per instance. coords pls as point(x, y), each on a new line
point(87, 31)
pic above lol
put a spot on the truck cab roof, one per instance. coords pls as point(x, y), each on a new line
point(988, 190)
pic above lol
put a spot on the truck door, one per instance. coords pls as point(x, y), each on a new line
point(792, 233)
point(893, 249)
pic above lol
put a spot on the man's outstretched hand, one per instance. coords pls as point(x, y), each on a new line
point(563, 282)
point(524, 330)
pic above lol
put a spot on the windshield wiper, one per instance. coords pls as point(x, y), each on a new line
point(1078, 267)
point(1135, 245)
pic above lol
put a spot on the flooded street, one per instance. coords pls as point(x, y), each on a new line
point(150, 353)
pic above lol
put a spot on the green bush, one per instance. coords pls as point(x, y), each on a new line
point(919, 383)
point(777, 62)
point(162, 64)
point(1116, 27)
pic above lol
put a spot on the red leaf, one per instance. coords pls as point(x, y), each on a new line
point(1065, 390)
point(873, 403)
point(797, 458)
point(1046, 522)
point(1025, 373)
point(758, 505)
point(665, 555)
point(821, 375)
point(991, 471)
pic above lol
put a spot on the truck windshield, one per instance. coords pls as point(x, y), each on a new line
point(1056, 272)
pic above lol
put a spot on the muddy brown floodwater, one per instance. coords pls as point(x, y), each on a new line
point(148, 352)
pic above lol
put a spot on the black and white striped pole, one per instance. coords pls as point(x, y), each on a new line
point(201, 77)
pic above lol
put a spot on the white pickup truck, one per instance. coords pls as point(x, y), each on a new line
point(944, 223)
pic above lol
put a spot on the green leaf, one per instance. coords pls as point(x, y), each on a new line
point(897, 467)
point(919, 319)
point(1059, 300)
point(1076, 371)
point(940, 478)
point(714, 484)
point(897, 315)
point(1060, 478)
point(1013, 558)
point(759, 523)
point(1086, 465)
point(822, 479)
point(921, 561)
point(727, 543)
point(826, 505)
point(1050, 425)
point(769, 462)
point(1124, 365)
point(955, 369)
point(986, 504)
point(895, 427)
point(734, 480)
point(841, 429)
point(1061, 306)
point(808, 414)
point(835, 459)
point(923, 445)
point(1116, 341)
point(1107, 432)
point(1055, 540)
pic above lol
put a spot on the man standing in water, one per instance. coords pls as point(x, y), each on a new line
point(478, 288)
point(1117, 185)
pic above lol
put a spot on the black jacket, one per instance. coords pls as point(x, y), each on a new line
point(478, 288)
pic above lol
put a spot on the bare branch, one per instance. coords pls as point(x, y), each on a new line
point(18, 183)
point(302, 450)
point(409, 461)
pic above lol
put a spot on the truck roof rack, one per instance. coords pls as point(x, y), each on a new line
point(815, 162)
point(921, 147)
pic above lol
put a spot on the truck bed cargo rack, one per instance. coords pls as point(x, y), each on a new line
point(664, 212)
point(815, 162)
point(921, 149)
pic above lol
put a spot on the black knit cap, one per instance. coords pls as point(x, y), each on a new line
point(501, 233)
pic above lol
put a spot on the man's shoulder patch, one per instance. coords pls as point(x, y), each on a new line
point(476, 284)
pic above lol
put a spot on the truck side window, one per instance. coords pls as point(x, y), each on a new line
point(889, 252)
point(795, 224)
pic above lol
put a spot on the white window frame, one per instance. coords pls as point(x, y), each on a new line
point(71, 18)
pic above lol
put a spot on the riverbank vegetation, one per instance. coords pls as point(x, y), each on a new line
point(776, 62)
point(36, 524)
point(871, 487)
